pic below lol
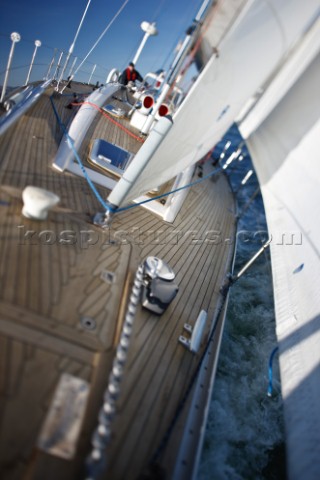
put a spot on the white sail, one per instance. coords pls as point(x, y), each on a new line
point(252, 49)
point(285, 151)
point(299, 58)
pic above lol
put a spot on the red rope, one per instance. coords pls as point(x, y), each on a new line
point(139, 139)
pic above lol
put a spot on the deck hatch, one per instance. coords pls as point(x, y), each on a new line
point(109, 157)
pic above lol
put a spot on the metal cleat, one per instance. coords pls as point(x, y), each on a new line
point(196, 332)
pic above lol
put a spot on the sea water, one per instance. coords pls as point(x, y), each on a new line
point(245, 435)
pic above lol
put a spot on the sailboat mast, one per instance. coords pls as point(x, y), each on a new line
point(177, 62)
point(185, 47)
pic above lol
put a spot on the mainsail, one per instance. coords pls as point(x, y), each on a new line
point(285, 150)
point(253, 47)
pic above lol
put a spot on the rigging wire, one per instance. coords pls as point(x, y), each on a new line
point(101, 36)
point(267, 271)
point(71, 145)
point(185, 20)
point(106, 206)
point(157, 12)
point(154, 19)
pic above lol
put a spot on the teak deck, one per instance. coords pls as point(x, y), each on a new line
point(57, 272)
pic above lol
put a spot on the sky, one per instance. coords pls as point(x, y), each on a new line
point(55, 25)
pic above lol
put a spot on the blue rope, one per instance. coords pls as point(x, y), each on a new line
point(274, 351)
point(106, 206)
point(71, 145)
point(214, 172)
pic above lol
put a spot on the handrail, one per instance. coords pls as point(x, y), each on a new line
point(26, 99)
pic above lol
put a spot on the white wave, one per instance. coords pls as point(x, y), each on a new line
point(244, 424)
